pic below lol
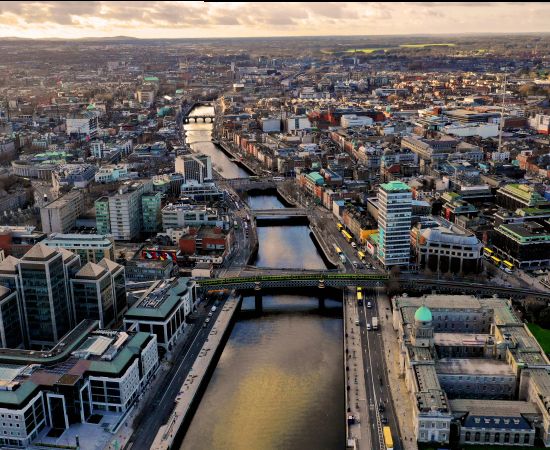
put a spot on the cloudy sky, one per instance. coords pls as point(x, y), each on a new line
point(150, 19)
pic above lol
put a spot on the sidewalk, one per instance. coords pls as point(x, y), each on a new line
point(400, 395)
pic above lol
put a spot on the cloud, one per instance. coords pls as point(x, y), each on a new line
point(198, 19)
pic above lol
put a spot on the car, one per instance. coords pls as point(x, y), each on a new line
point(357, 322)
point(381, 407)
point(369, 305)
point(384, 419)
point(368, 327)
point(213, 309)
point(209, 314)
point(207, 320)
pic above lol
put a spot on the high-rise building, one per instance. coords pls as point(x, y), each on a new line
point(150, 207)
point(93, 295)
point(125, 209)
point(60, 215)
point(195, 167)
point(11, 329)
point(118, 283)
point(394, 223)
point(44, 295)
point(102, 215)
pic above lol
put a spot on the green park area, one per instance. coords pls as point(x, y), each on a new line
point(425, 45)
point(542, 335)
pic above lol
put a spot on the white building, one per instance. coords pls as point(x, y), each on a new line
point(60, 215)
point(483, 130)
point(82, 123)
point(110, 174)
point(394, 223)
point(184, 215)
point(125, 209)
point(352, 120)
point(194, 167)
point(297, 123)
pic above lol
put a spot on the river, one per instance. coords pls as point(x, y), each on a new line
point(198, 136)
point(279, 383)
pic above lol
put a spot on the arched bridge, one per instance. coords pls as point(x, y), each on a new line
point(321, 280)
point(204, 118)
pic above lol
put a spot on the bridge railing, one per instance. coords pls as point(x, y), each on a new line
point(323, 276)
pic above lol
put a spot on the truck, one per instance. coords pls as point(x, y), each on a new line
point(375, 323)
point(388, 441)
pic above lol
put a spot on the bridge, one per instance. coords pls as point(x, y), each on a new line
point(204, 117)
point(338, 280)
point(319, 279)
point(286, 212)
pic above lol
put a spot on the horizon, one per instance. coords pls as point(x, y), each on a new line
point(199, 20)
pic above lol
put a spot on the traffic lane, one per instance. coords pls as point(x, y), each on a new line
point(370, 380)
point(171, 386)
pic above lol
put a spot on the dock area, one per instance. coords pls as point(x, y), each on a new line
point(198, 375)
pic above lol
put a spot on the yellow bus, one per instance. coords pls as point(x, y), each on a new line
point(388, 439)
point(348, 236)
point(507, 266)
point(496, 261)
point(361, 256)
point(340, 226)
point(487, 252)
point(359, 298)
point(359, 289)
point(338, 250)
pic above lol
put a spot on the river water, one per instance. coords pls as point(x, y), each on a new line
point(279, 383)
point(198, 136)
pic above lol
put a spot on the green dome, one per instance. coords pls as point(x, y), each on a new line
point(423, 314)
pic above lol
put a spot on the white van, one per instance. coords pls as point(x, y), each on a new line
point(368, 327)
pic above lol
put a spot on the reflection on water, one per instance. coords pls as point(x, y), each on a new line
point(264, 202)
point(279, 382)
point(288, 247)
point(201, 134)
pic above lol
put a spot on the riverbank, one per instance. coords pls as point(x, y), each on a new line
point(235, 157)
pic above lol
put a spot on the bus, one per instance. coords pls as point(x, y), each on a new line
point(387, 438)
point(487, 252)
point(496, 261)
point(361, 256)
point(339, 226)
point(359, 289)
point(359, 298)
point(507, 266)
point(348, 236)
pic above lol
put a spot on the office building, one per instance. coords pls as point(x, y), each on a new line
point(125, 210)
point(60, 215)
point(93, 295)
point(441, 246)
point(90, 247)
point(118, 283)
point(194, 167)
point(150, 207)
point(44, 296)
point(11, 319)
point(18, 240)
point(90, 371)
point(184, 215)
point(394, 223)
point(102, 215)
point(513, 196)
point(162, 310)
point(82, 123)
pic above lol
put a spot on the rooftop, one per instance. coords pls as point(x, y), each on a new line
point(395, 186)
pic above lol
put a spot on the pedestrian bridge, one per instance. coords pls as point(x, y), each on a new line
point(320, 280)
point(283, 212)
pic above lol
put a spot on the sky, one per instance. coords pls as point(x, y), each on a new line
point(164, 19)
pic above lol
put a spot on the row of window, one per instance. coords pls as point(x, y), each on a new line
point(487, 437)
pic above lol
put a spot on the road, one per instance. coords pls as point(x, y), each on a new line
point(376, 378)
point(163, 403)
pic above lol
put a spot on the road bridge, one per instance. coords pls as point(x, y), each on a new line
point(335, 279)
point(286, 212)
